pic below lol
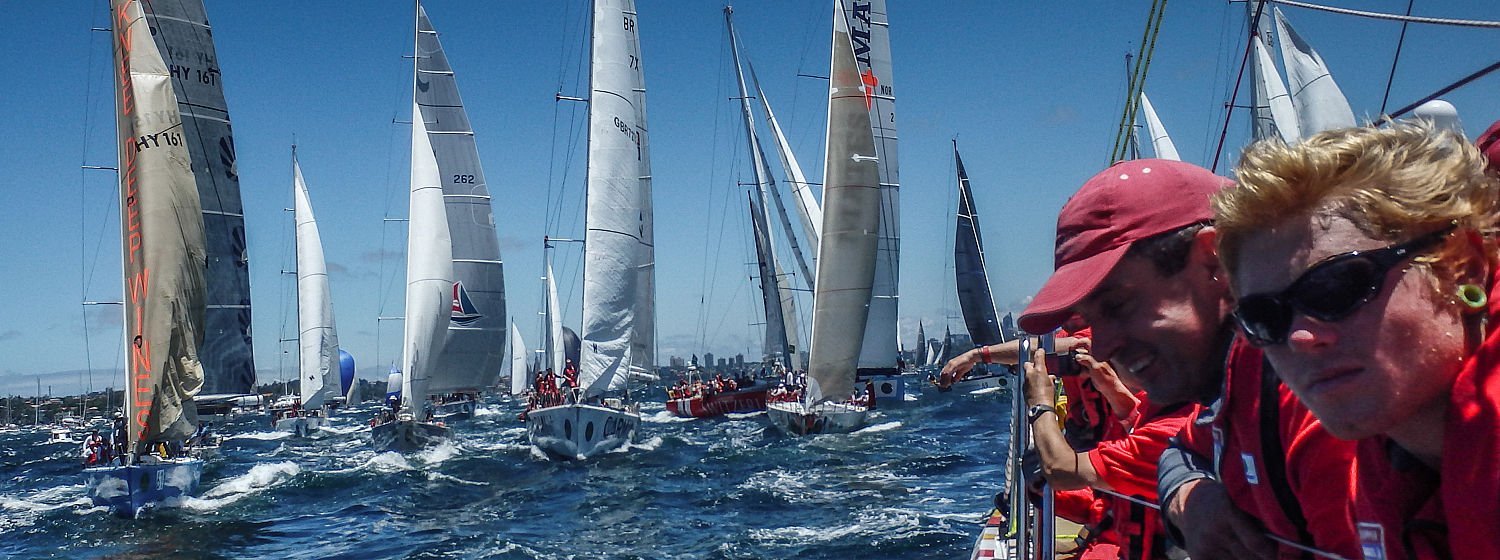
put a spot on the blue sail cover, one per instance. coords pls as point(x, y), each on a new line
point(185, 40)
point(346, 372)
point(968, 267)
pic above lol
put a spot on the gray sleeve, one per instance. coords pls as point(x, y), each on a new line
point(1177, 467)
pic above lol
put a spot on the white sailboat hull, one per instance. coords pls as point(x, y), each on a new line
point(796, 419)
point(580, 431)
point(452, 411)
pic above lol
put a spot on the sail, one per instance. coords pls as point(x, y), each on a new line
point(317, 340)
point(870, 33)
point(1161, 144)
point(808, 210)
point(643, 337)
point(1282, 112)
point(1262, 124)
point(851, 219)
point(554, 325)
point(920, 351)
point(161, 229)
point(788, 298)
point(474, 352)
point(974, 298)
point(185, 42)
point(520, 376)
point(429, 271)
point(617, 256)
point(1319, 101)
point(346, 376)
point(770, 284)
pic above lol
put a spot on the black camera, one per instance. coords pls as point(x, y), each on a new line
point(1062, 364)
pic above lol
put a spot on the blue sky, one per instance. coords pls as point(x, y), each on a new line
point(1032, 91)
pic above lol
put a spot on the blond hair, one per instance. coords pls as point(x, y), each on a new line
point(1394, 183)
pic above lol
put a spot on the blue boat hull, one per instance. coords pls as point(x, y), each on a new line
point(128, 490)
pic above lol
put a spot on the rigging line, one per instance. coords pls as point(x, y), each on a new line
point(1245, 60)
point(1455, 85)
point(1138, 75)
point(1393, 17)
point(1401, 40)
point(83, 275)
point(705, 297)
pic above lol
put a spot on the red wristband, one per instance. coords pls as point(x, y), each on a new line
point(984, 354)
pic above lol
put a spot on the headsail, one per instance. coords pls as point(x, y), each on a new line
point(520, 376)
point(185, 42)
point(473, 355)
point(776, 343)
point(317, 340)
point(1320, 104)
point(618, 259)
point(552, 319)
point(869, 31)
point(429, 271)
point(1161, 144)
point(974, 297)
point(851, 220)
point(920, 350)
point(808, 210)
point(163, 247)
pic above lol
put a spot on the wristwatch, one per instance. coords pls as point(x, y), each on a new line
point(1036, 411)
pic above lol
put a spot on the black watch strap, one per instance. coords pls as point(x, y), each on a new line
point(1036, 411)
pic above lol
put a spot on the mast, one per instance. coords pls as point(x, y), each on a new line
point(618, 282)
point(473, 351)
point(869, 31)
point(163, 250)
point(184, 40)
point(429, 261)
point(318, 340)
point(851, 219)
point(974, 298)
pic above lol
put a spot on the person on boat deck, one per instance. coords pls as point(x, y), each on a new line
point(1124, 461)
point(1135, 257)
point(1366, 264)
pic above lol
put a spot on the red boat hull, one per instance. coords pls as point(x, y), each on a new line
point(752, 400)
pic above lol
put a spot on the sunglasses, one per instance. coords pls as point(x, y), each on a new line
point(1328, 291)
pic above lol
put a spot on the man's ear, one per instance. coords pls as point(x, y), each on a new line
point(1206, 254)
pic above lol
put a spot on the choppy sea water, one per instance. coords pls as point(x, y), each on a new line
point(915, 483)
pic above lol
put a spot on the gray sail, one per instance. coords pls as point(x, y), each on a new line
point(161, 233)
point(808, 210)
point(920, 352)
point(770, 285)
point(1319, 102)
point(869, 30)
point(968, 266)
point(851, 218)
point(473, 356)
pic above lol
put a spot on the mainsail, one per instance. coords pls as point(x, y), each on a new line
point(974, 297)
point(869, 32)
point(851, 220)
point(317, 341)
point(473, 355)
point(163, 247)
point(1319, 102)
point(1161, 144)
point(429, 271)
point(618, 287)
point(185, 42)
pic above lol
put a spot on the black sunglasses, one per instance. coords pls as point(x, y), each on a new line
point(1328, 291)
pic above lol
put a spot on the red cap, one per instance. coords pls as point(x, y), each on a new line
point(1130, 201)
point(1489, 143)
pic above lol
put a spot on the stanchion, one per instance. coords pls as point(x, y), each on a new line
point(1020, 507)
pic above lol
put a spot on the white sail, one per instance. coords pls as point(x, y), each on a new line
point(317, 340)
point(1161, 144)
point(1262, 125)
point(1280, 103)
point(473, 354)
point(163, 245)
point(870, 32)
point(851, 220)
point(185, 41)
point(554, 322)
point(617, 256)
point(520, 376)
point(1319, 102)
point(808, 210)
point(429, 271)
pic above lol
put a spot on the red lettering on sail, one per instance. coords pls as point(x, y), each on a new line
point(870, 81)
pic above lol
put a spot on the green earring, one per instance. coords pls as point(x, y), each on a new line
point(1473, 296)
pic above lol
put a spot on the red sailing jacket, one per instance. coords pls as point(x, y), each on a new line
point(1407, 511)
point(1128, 464)
point(1277, 463)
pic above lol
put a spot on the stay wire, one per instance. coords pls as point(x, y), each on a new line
point(1401, 40)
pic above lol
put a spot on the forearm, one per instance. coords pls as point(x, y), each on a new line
point(1064, 468)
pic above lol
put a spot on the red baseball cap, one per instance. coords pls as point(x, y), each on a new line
point(1130, 201)
point(1489, 143)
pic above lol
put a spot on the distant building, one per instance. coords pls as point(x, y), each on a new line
point(723, 363)
point(708, 359)
point(1008, 327)
point(739, 361)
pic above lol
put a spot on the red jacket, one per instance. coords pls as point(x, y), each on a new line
point(1128, 465)
point(1412, 511)
point(1277, 464)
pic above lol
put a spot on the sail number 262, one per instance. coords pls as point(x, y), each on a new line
point(463, 178)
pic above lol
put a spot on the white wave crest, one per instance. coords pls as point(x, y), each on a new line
point(744, 415)
point(263, 436)
point(665, 417)
point(882, 427)
point(439, 453)
point(259, 478)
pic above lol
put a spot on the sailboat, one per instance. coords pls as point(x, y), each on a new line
point(317, 340)
point(619, 294)
point(974, 299)
point(163, 254)
point(847, 253)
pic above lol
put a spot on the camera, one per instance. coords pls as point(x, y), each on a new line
point(1060, 364)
